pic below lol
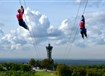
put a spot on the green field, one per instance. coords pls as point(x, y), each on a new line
point(44, 74)
point(21, 73)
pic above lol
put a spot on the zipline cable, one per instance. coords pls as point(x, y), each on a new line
point(20, 2)
point(25, 3)
point(29, 30)
point(75, 23)
point(7, 53)
point(75, 32)
point(34, 39)
point(85, 7)
point(33, 32)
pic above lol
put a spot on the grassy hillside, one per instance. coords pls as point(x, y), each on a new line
point(21, 73)
point(44, 74)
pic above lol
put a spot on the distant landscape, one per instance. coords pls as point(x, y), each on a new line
point(60, 61)
point(57, 67)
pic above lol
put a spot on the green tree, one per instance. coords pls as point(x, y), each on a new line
point(47, 64)
point(15, 67)
point(63, 70)
point(25, 67)
point(32, 62)
point(1, 67)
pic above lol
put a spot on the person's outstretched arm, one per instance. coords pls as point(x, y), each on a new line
point(22, 8)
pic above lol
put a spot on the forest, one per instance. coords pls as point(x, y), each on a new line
point(49, 68)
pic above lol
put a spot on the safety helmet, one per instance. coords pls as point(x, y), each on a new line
point(19, 10)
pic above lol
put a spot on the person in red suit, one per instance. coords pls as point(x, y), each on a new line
point(83, 30)
point(20, 18)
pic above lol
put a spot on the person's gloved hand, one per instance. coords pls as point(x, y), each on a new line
point(22, 7)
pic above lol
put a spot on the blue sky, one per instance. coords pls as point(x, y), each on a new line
point(52, 21)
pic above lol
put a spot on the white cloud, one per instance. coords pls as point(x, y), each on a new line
point(96, 26)
point(95, 23)
point(41, 31)
point(38, 25)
